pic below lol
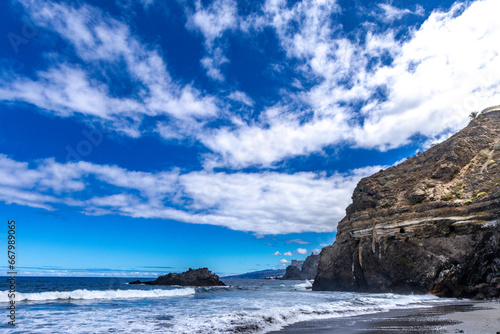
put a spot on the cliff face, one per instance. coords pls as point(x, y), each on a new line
point(309, 269)
point(431, 223)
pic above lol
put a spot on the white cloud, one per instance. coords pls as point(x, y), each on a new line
point(277, 253)
point(106, 45)
point(297, 241)
point(212, 21)
point(284, 261)
point(441, 72)
point(390, 13)
point(448, 68)
point(301, 251)
point(213, 63)
point(288, 254)
point(254, 145)
point(323, 245)
point(265, 203)
point(241, 97)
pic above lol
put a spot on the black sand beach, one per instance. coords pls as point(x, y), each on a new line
point(464, 317)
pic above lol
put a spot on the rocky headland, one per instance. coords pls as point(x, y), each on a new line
point(308, 271)
point(261, 274)
point(430, 224)
point(192, 277)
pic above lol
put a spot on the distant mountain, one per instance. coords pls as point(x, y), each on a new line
point(258, 274)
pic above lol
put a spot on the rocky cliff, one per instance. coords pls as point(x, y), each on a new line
point(308, 271)
point(430, 224)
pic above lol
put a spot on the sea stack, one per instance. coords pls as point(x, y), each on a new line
point(430, 224)
point(192, 277)
point(308, 271)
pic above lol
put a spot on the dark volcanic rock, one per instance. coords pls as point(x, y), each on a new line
point(292, 272)
point(309, 269)
point(192, 277)
point(430, 224)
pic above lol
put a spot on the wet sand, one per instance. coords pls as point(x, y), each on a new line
point(470, 317)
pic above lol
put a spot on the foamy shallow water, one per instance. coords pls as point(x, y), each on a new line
point(247, 306)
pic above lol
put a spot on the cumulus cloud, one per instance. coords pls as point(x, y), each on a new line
point(263, 203)
point(301, 251)
point(277, 253)
point(288, 254)
point(284, 261)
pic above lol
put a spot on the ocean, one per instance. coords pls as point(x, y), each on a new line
point(109, 305)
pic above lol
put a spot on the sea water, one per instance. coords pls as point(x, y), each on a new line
point(110, 305)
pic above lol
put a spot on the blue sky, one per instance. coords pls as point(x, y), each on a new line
point(143, 136)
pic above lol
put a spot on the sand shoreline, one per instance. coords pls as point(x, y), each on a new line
point(484, 317)
point(462, 316)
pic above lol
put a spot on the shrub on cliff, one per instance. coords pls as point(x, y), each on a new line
point(447, 197)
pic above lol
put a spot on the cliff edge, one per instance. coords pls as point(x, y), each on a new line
point(430, 224)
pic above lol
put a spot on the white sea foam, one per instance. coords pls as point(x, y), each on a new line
point(269, 319)
point(260, 308)
point(97, 294)
point(305, 285)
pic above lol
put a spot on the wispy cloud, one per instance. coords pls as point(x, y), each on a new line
point(376, 92)
point(389, 13)
point(212, 21)
point(297, 241)
point(428, 84)
point(106, 44)
point(264, 203)
point(240, 96)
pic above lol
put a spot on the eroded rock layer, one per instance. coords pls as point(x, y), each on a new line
point(430, 224)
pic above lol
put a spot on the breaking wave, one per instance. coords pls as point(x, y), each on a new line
point(97, 294)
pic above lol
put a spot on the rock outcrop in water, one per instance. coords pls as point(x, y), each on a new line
point(430, 224)
point(192, 277)
point(308, 271)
